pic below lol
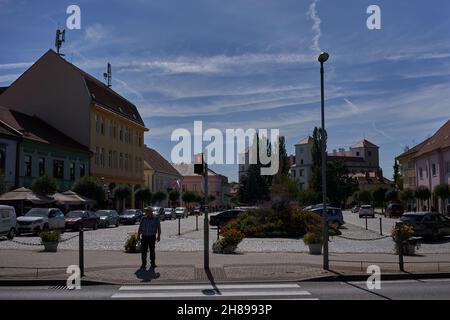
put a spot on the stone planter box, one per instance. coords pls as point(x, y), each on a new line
point(51, 246)
point(219, 248)
point(315, 248)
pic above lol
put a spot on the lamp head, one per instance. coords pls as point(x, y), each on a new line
point(323, 57)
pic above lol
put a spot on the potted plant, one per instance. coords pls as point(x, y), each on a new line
point(231, 237)
point(403, 236)
point(132, 244)
point(313, 240)
point(50, 240)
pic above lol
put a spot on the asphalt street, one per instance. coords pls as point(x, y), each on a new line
point(432, 289)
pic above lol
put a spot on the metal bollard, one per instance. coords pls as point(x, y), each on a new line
point(81, 252)
point(381, 227)
point(179, 225)
point(400, 247)
point(196, 222)
point(366, 221)
point(218, 233)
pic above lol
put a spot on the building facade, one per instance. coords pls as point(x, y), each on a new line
point(159, 174)
point(432, 163)
point(88, 111)
point(9, 141)
point(407, 165)
point(43, 150)
point(217, 185)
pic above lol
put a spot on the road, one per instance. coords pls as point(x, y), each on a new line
point(372, 223)
point(390, 290)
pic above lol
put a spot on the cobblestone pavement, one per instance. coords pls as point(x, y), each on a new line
point(192, 240)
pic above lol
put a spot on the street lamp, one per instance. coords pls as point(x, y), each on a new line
point(323, 57)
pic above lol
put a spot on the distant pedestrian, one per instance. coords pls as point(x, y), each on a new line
point(149, 232)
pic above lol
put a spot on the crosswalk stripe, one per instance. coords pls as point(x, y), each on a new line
point(207, 291)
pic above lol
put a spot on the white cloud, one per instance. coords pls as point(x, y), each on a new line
point(312, 14)
point(18, 65)
point(8, 77)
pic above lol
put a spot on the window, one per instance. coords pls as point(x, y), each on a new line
point(293, 173)
point(96, 156)
point(369, 153)
point(97, 123)
point(41, 166)
point(114, 126)
point(121, 161)
point(126, 161)
point(102, 125)
point(421, 173)
point(433, 170)
point(58, 169)
point(302, 172)
point(357, 153)
point(2, 161)
point(102, 158)
point(121, 133)
point(82, 170)
point(27, 166)
point(115, 159)
point(140, 139)
point(72, 171)
point(301, 161)
point(110, 127)
point(110, 159)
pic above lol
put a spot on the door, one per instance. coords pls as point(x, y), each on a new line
point(4, 221)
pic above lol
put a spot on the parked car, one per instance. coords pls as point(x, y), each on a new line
point(158, 212)
point(130, 216)
point(197, 211)
point(427, 224)
point(394, 210)
point(181, 212)
point(108, 218)
point(222, 218)
point(334, 215)
point(80, 219)
point(366, 211)
point(169, 213)
point(39, 219)
point(355, 209)
point(8, 222)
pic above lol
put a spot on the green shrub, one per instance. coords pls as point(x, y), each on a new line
point(50, 236)
point(312, 238)
point(231, 236)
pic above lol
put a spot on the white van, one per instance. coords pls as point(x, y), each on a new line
point(8, 221)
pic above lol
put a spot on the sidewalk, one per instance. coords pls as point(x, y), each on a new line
point(184, 267)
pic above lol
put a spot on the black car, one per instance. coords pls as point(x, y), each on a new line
point(130, 216)
point(222, 218)
point(80, 219)
point(427, 224)
point(394, 210)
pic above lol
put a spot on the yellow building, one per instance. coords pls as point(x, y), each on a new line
point(407, 165)
point(86, 110)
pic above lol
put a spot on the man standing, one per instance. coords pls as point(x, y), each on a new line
point(150, 229)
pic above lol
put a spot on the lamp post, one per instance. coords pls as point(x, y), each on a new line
point(323, 57)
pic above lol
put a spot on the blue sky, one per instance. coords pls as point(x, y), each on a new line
point(252, 64)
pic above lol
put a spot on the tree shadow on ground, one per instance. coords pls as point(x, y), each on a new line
point(147, 275)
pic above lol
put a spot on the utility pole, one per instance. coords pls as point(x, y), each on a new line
point(206, 222)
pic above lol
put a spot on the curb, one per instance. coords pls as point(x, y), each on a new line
point(389, 276)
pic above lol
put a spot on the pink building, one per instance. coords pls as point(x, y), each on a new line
point(217, 184)
point(433, 163)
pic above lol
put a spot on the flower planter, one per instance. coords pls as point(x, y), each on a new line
point(315, 248)
point(51, 246)
point(220, 248)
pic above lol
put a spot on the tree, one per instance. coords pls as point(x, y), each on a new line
point(364, 196)
point(392, 195)
point(174, 195)
point(283, 158)
point(188, 197)
point(340, 186)
point(423, 193)
point(143, 196)
point(122, 192)
point(379, 197)
point(45, 185)
point(407, 195)
point(319, 138)
point(90, 187)
point(284, 189)
point(442, 191)
point(159, 196)
point(397, 176)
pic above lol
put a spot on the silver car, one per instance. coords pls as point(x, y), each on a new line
point(181, 212)
point(40, 219)
point(169, 213)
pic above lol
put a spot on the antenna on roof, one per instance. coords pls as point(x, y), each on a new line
point(107, 75)
point(60, 38)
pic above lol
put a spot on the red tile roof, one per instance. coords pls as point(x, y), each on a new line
point(105, 96)
point(364, 144)
point(33, 128)
point(306, 140)
point(158, 162)
point(440, 140)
